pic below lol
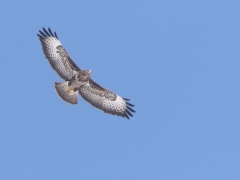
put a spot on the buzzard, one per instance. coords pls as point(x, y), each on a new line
point(78, 81)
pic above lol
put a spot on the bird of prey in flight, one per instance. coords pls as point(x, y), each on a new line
point(78, 81)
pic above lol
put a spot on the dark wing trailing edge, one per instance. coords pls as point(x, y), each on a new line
point(56, 54)
point(106, 100)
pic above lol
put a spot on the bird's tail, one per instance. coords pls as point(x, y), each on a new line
point(66, 93)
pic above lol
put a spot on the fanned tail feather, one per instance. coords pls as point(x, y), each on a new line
point(67, 95)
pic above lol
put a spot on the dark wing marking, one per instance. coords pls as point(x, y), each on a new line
point(46, 32)
point(43, 35)
point(55, 35)
point(51, 32)
point(105, 100)
point(56, 54)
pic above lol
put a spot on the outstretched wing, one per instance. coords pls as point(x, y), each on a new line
point(56, 54)
point(106, 100)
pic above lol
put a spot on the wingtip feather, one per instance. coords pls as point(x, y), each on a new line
point(131, 109)
point(130, 104)
point(42, 34)
point(55, 35)
point(46, 32)
point(125, 115)
point(51, 32)
point(41, 37)
point(128, 113)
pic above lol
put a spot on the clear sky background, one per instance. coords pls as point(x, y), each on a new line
point(178, 62)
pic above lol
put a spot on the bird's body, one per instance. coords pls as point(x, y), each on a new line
point(78, 81)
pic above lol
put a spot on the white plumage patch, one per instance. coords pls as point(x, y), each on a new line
point(114, 107)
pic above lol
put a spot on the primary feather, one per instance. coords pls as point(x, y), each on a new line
point(56, 54)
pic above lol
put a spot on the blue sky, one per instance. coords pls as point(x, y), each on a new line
point(178, 62)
